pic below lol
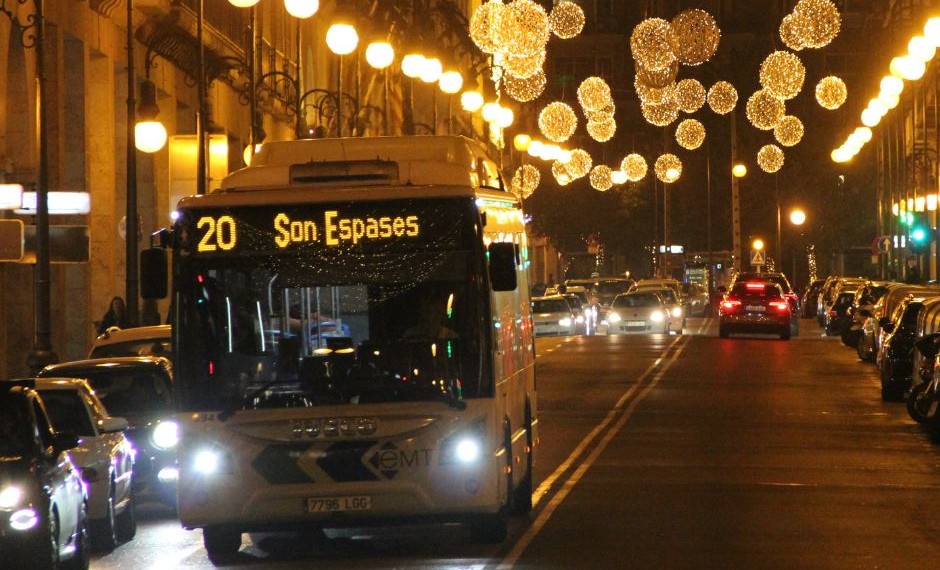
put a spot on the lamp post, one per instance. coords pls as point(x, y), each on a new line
point(797, 218)
point(380, 54)
point(32, 30)
point(738, 170)
point(342, 40)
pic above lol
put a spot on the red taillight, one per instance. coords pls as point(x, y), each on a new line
point(730, 304)
point(755, 286)
point(833, 313)
point(779, 305)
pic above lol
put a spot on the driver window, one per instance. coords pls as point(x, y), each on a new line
point(42, 424)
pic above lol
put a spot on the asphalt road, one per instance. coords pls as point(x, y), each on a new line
point(673, 452)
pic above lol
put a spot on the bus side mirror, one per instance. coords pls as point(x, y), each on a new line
point(153, 274)
point(502, 257)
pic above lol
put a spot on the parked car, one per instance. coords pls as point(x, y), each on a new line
point(140, 390)
point(809, 299)
point(553, 316)
point(43, 499)
point(638, 312)
point(829, 291)
point(896, 358)
point(135, 341)
point(865, 298)
point(755, 306)
point(838, 317)
point(104, 456)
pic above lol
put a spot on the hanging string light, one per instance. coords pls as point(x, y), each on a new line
point(524, 67)
point(522, 28)
point(668, 168)
point(695, 36)
point(782, 74)
point(722, 97)
point(601, 178)
point(580, 163)
point(764, 110)
point(690, 134)
point(817, 22)
point(525, 181)
point(634, 165)
point(566, 19)
point(651, 44)
point(558, 122)
point(789, 131)
point(594, 94)
point(770, 158)
point(831, 92)
point(660, 115)
point(689, 95)
point(483, 25)
point(657, 79)
point(602, 131)
point(525, 89)
point(653, 95)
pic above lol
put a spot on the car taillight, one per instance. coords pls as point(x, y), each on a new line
point(833, 313)
point(730, 304)
point(779, 305)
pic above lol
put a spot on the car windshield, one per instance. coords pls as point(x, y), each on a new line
point(127, 391)
point(68, 412)
point(15, 440)
point(611, 288)
point(667, 294)
point(635, 300)
point(550, 306)
point(139, 347)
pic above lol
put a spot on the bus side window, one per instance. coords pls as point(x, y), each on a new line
point(503, 259)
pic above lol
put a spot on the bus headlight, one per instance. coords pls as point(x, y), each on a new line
point(467, 450)
point(565, 322)
point(207, 462)
point(613, 317)
point(10, 497)
point(165, 435)
point(657, 316)
point(677, 312)
point(24, 519)
point(463, 447)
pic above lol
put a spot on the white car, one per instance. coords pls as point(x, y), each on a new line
point(673, 304)
point(638, 312)
point(552, 315)
point(151, 340)
point(104, 456)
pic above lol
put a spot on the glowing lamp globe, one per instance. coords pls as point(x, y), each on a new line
point(908, 68)
point(797, 217)
point(431, 70)
point(149, 136)
point(471, 101)
point(619, 177)
point(888, 100)
point(300, 8)
point(342, 39)
point(521, 142)
point(864, 134)
point(932, 31)
point(505, 117)
point(412, 64)
point(870, 118)
point(921, 49)
point(243, 3)
point(451, 82)
point(739, 170)
point(490, 112)
point(380, 54)
point(892, 85)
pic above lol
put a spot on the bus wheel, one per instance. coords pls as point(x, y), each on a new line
point(221, 544)
point(522, 495)
point(489, 529)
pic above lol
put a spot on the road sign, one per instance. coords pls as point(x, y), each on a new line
point(758, 257)
point(884, 244)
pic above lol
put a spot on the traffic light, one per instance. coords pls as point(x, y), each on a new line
point(919, 234)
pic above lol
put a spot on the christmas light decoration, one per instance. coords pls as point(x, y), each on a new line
point(558, 122)
point(601, 115)
point(594, 94)
point(561, 174)
point(722, 97)
point(816, 22)
point(651, 44)
point(689, 95)
point(601, 178)
point(690, 134)
point(522, 28)
point(653, 95)
point(602, 131)
point(660, 115)
point(657, 79)
point(789, 131)
point(635, 167)
point(668, 168)
point(525, 89)
point(580, 163)
point(770, 158)
point(566, 19)
point(618, 177)
point(695, 36)
point(483, 24)
point(524, 67)
point(525, 180)
point(782, 74)
point(789, 32)
point(831, 92)
point(764, 110)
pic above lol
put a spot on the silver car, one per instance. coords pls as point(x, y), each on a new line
point(553, 316)
point(638, 312)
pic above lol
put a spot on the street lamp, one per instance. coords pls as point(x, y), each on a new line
point(342, 39)
point(380, 54)
point(739, 170)
point(797, 218)
point(149, 133)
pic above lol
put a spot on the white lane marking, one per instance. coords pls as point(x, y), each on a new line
point(570, 483)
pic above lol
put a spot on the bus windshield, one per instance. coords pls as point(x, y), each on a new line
point(354, 324)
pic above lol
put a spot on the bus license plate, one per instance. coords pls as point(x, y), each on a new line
point(336, 504)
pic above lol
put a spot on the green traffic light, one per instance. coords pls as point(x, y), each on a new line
point(918, 235)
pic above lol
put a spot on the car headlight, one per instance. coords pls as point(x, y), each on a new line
point(165, 435)
point(677, 312)
point(613, 317)
point(565, 322)
point(579, 319)
point(657, 316)
point(10, 497)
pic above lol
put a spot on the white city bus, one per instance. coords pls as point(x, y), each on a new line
point(352, 342)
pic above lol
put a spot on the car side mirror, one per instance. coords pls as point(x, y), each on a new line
point(503, 258)
point(63, 441)
point(112, 425)
point(153, 273)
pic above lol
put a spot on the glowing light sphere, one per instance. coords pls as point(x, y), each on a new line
point(797, 217)
point(483, 25)
point(695, 36)
point(906, 67)
point(690, 134)
point(657, 79)
point(601, 178)
point(782, 74)
point(471, 101)
point(523, 67)
point(558, 122)
point(602, 131)
point(580, 163)
point(301, 8)
point(601, 115)
point(525, 89)
point(566, 19)
point(635, 167)
point(525, 180)
point(521, 142)
point(817, 23)
point(722, 97)
point(789, 131)
point(920, 48)
point(892, 85)
point(490, 111)
point(342, 39)
point(149, 136)
point(431, 70)
point(651, 44)
point(660, 115)
point(561, 174)
point(864, 134)
point(790, 32)
point(888, 100)
point(243, 3)
point(689, 95)
point(594, 94)
point(831, 92)
point(522, 28)
point(412, 65)
point(870, 118)
point(770, 158)
point(653, 95)
point(619, 177)
point(668, 168)
point(451, 82)
point(380, 54)
point(764, 110)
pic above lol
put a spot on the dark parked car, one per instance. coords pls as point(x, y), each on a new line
point(138, 389)
point(809, 299)
point(839, 318)
point(897, 350)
